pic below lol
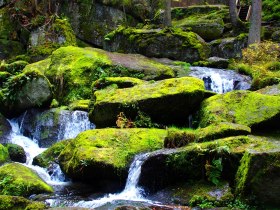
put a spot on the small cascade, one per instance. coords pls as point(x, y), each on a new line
point(220, 80)
point(131, 191)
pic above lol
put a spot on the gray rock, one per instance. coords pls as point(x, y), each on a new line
point(276, 36)
point(217, 62)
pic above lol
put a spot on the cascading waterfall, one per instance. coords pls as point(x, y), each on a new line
point(77, 123)
point(131, 191)
point(221, 80)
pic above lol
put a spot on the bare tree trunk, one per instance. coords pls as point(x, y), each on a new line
point(233, 13)
point(167, 13)
point(256, 21)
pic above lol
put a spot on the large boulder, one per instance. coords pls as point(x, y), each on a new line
point(23, 91)
point(72, 70)
point(229, 47)
point(102, 157)
point(196, 161)
point(270, 90)
point(259, 176)
point(243, 107)
point(167, 101)
point(19, 180)
point(18, 203)
point(16, 152)
point(170, 43)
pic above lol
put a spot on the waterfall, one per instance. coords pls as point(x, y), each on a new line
point(72, 125)
point(221, 80)
point(131, 191)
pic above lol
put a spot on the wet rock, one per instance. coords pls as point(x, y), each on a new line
point(167, 101)
point(252, 109)
point(12, 174)
point(258, 175)
point(217, 62)
point(5, 129)
point(23, 91)
point(270, 90)
point(158, 43)
point(228, 47)
point(16, 153)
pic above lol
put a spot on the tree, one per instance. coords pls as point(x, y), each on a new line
point(256, 21)
point(233, 13)
point(167, 13)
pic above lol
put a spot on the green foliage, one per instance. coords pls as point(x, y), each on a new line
point(214, 170)
point(271, 10)
point(186, 66)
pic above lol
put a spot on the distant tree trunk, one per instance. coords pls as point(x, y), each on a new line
point(233, 13)
point(256, 21)
point(167, 13)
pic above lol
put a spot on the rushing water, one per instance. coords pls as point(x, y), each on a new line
point(221, 80)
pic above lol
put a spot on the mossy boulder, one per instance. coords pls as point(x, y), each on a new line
point(16, 153)
point(72, 70)
point(170, 43)
point(44, 40)
point(23, 91)
point(82, 105)
point(102, 156)
point(19, 203)
point(14, 67)
point(19, 180)
point(167, 101)
point(169, 167)
point(252, 109)
point(259, 176)
point(229, 47)
point(5, 129)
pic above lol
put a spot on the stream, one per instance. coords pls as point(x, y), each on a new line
point(70, 124)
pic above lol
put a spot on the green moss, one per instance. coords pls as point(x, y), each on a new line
point(40, 66)
point(242, 107)
point(10, 48)
point(179, 138)
point(19, 203)
point(221, 130)
point(80, 105)
point(4, 77)
point(13, 68)
point(7, 26)
point(4, 154)
point(45, 158)
point(113, 147)
point(17, 179)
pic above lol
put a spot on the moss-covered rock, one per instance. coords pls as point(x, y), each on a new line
point(102, 156)
point(243, 107)
point(4, 77)
point(23, 91)
point(167, 101)
point(258, 176)
point(195, 161)
point(46, 39)
point(19, 203)
point(82, 105)
point(221, 130)
point(72, 70)
point(228, 47)
point(16, 153)
point(19, 180)
point(170, 43)
point(178, 138)
point(207, 23)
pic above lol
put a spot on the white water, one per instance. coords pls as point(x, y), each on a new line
point(131, 191)
point(72, 127)
point(220, 80)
